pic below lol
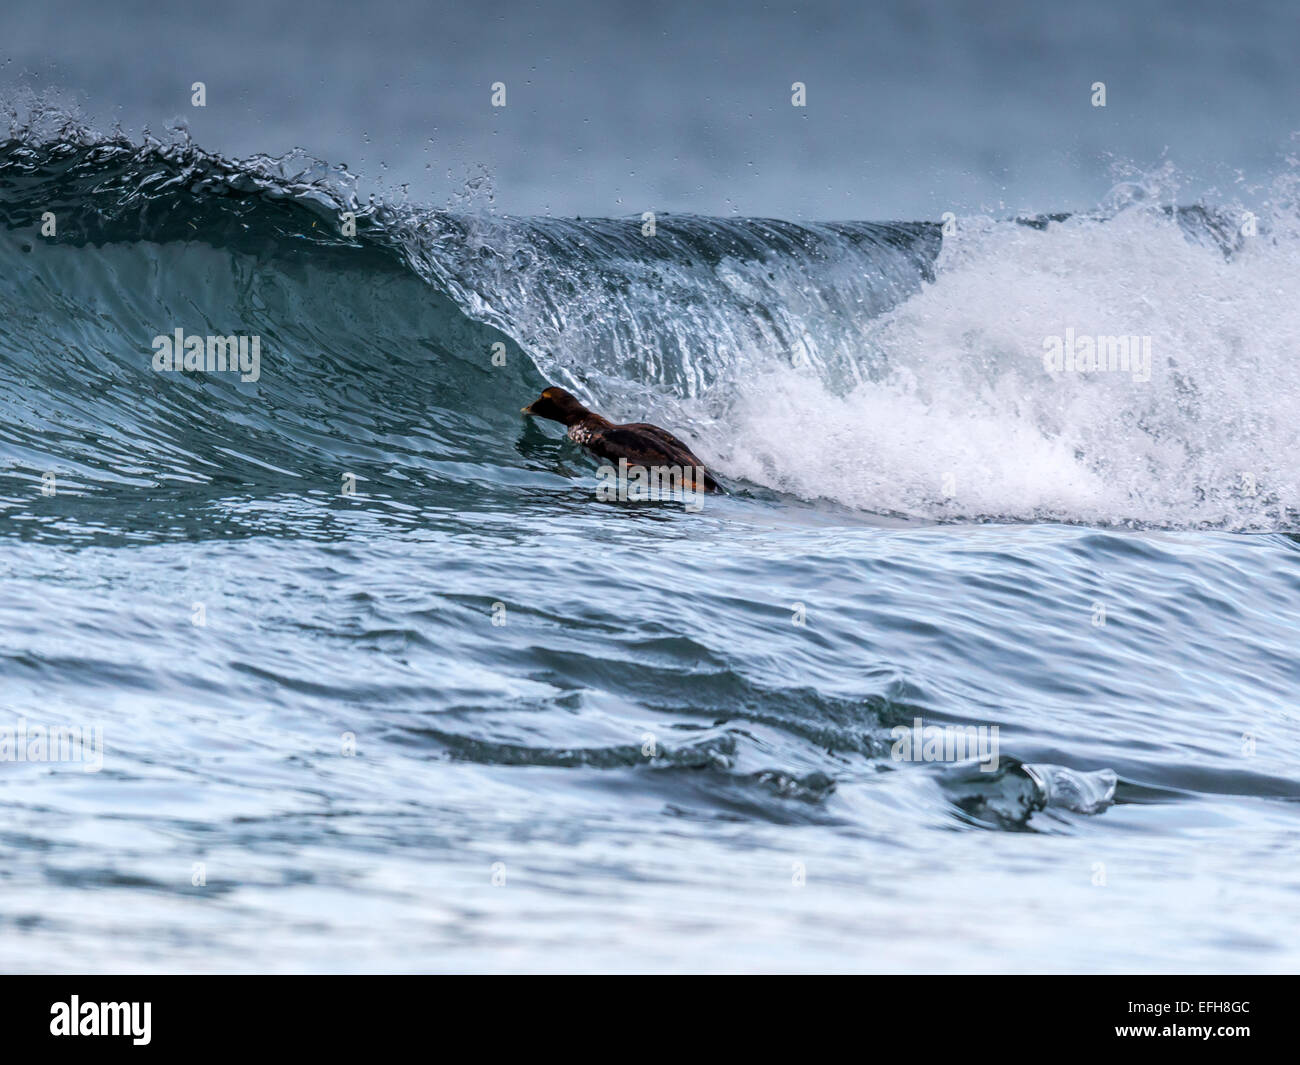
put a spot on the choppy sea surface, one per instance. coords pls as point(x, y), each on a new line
point(382, 685)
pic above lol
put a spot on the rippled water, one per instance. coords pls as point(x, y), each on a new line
point(468, 717)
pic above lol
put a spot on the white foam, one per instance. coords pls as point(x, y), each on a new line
point(962, 419)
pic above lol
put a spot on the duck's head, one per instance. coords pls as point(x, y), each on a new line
point(558, 405)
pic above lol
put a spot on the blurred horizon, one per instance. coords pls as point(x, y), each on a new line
point(912, 109)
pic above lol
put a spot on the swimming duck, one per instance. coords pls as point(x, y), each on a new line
point(641, 444)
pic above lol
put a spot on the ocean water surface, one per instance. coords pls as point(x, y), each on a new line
point(981, 664)
point(381, 685)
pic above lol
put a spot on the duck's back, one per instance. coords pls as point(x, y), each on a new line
point(642, 444)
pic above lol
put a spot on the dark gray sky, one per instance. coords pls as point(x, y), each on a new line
point(615, 107)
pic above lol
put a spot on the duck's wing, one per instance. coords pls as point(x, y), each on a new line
point(655, 431)
point(640, 447)
point(677, 445)
point(645, 445)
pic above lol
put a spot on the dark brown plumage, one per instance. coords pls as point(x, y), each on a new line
point(641, 444)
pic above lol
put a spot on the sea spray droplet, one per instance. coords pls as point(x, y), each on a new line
point(1070, 789)
point(1009, 796)
point(1006, 797)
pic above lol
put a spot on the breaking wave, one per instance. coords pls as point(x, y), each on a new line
point(890, 366)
